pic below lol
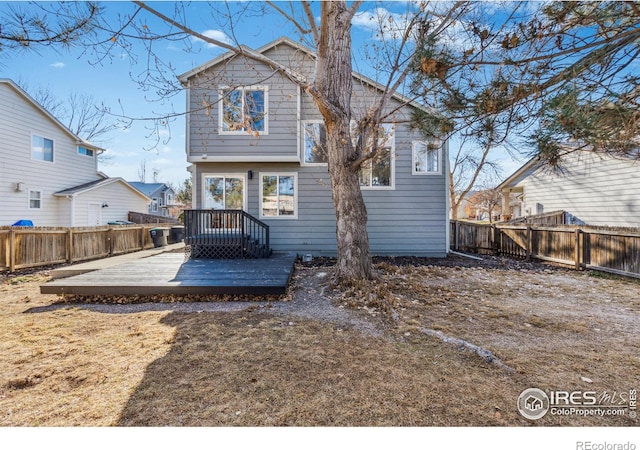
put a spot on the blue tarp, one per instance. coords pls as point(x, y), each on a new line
point(23, 223)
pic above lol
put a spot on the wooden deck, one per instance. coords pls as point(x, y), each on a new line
point(171, 274)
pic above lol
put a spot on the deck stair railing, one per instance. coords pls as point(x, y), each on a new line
point(224, 234)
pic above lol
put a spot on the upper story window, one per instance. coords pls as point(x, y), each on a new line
point(426, 157)
point(85, 151)
point(314, 137)
point(376, 172)
point(41, 148)
point(244, 110)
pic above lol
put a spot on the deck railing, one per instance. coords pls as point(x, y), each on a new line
point(225, 233)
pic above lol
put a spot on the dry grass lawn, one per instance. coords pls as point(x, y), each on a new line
point(557, 329)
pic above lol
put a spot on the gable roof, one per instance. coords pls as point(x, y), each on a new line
point(184, 78)
point(22, 93)
point(85, 187)
point(149, 188)
point(529, 165)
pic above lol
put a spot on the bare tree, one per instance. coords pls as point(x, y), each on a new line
point(58, 25)
point(81, 113)
point(142, 171)
point(331, 88)
point(485, 201)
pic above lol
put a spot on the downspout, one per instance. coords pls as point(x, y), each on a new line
point(447, 197)
point(72, 221)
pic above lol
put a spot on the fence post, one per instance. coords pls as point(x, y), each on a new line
point(70, 246)
point(12, 250)
point(142, 236)
point(457, 236)
point(494, 242)
point(111, 237)
point(529, 242)
point(576, 251)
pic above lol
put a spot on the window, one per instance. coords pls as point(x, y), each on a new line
point(377, 172)
point(85, 151)
point(35, 199)
point(224, 192)
point(244, 110)
point(279, 196)
point(41, 148)
point(314, 135)
point(154, 204)
point(426, 157)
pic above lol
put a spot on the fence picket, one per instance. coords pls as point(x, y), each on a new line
point(609, 249)
point(26, 247)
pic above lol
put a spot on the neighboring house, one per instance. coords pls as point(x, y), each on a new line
point(163, 198)
point(595, 189)
point(49, 175)
point(256, 142)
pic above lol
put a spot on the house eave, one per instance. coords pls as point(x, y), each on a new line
point(241, 158)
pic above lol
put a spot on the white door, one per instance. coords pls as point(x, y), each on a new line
point(94, 215)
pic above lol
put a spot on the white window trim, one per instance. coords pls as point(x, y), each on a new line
point(53, 143)
point(295, 195)
point(29, 199)
point(414, 145)
point(391, 145)
point(302, 147)
point(222, 131)
point(243, 176)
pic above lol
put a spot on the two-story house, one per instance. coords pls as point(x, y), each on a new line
point(256, 142)
point(163, 198)
point(48, 175)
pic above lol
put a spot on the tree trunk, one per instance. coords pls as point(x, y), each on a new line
point(332, 93)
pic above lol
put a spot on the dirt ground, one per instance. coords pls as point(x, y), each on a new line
point(395, 352)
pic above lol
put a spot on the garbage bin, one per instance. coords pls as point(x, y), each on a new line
point(159, 236)
point(177, 233)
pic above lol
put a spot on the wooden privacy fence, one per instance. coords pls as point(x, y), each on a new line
point(615, 250)
point(25, 247)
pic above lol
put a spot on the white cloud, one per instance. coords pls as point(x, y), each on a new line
point(214, 34)
point(58, 65)
point(381, 20)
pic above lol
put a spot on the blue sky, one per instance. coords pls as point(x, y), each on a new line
point(110, 81)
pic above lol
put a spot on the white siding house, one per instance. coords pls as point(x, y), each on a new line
point(595, 189)
point(43, 167)
point(257, 145)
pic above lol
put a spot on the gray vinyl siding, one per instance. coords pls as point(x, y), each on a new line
point(410, 218)
point(204, 138)
point(407, 220)
point(19, 120)
point(598, 190)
